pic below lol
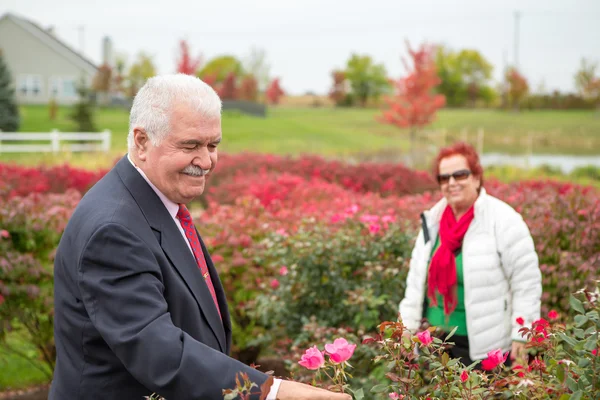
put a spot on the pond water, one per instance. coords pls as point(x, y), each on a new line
point(566, 163)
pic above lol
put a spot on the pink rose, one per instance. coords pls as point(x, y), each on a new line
point(368, 218)
point(595, 352)
point(283, 271)
point(374, 228)
point(281, 232)
point(553, 315)
point(312, 358)
point(388, 218)
point(340, 350)
point(494, 358)
point(274, 283)
point(395, 396)
point(217, 258)
point(353, 209)
point(425, 338)
point(4, 233)
point(520, 321)
point(464, 376)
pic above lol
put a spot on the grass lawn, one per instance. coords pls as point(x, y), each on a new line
point(346, 133)
point(18, 372)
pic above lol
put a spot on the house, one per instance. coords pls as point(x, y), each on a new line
point(42, 66)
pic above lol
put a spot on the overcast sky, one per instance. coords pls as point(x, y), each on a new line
point(305, 40)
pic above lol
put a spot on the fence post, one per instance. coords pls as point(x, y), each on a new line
point(106, 140)
point(55, 138)
point(480, 134)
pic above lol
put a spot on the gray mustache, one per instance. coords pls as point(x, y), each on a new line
point(195, 171)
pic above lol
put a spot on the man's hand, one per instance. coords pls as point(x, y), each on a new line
point(289, 390)
point(518, 352)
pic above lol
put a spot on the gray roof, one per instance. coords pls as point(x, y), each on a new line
point(50, 40)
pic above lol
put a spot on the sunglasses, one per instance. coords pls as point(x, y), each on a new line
point(459, 175)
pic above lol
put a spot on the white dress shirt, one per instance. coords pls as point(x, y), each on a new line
point(173, 209)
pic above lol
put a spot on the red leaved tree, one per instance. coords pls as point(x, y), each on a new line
point(338, 90)
point(274, 92)
point(248, 88)
point(211, 80)
point(517, 87)
point(229, 89)
point(415, 102)
point(186, 64)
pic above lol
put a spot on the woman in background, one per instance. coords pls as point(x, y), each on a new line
point(473, 266)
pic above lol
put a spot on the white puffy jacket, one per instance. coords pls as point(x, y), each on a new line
point(502, 279)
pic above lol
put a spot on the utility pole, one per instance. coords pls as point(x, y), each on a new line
point(517, 18)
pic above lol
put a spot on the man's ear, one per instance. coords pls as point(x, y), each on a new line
point(142, 142)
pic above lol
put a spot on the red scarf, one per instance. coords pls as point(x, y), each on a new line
point(442, 271)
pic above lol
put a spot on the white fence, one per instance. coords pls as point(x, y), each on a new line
point(58, 141)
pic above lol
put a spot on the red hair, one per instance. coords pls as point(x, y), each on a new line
point(462, 149)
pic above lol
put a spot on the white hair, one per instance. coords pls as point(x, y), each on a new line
point(153, 104)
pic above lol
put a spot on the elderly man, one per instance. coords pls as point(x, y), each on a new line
point(139, 307)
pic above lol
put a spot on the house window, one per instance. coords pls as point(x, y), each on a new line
point(68, 88)
point(22, 85)
point(54, 85)
point(35, 85)
point(29, 85)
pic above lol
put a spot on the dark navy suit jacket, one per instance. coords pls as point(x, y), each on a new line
point(133, 314)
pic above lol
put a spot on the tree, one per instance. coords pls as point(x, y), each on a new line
point(186, 64)
point(255, 64)
point(587, 83)
point(339, 91)
point(83, 111)
point(220, 67)
point(517, 87)
point(139, 72)
point(367, 80)
point(9, 111)
point(102, 82)
point(274, 92)
point(415, 103)
point(248, 88)
point(119, 72)
point(465, 76)
point(228, 89)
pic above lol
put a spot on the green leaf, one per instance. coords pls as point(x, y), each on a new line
point(572, 342)
point(571, 384)
point(578, 333)
point(576, 305)
point(359, 395)
point(379, 388)
point(452, 332)
point(590, 343)
point(560, 373)
point(577, 395)
point(445, 359)
point(564, 397)
point(583, 362)
point(580, 320)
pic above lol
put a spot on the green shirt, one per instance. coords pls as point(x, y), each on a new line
point(458, 318)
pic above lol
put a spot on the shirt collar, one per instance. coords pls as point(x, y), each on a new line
point(172, 207)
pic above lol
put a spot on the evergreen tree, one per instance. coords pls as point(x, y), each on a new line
point(83, 111)
point(9, 112)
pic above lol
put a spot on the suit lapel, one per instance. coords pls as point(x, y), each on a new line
point(174, 246)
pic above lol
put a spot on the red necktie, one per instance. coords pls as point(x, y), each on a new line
point(190, 232)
